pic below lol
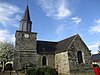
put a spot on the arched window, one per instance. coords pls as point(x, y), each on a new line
point(44, 61)
point(80, 58)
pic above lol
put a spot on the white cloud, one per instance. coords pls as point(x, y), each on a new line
point(5, 35)
point(98, 21)
point(56, 9)
point(94, 47)
point(60, 30)
point(76, 20)
point(9, 18)
point(8, 14)
point(96, 27)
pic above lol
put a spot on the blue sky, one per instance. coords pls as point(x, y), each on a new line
point(53, 20)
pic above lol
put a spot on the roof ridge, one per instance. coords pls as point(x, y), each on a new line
point(46, 41)
point(72, 40)
point(68, 38)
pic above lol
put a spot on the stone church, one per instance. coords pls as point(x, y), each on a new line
point(68, 56)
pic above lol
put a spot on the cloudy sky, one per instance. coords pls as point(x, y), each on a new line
point(53, 20)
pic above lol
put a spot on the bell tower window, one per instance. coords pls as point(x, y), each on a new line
point(26, 23)
point(24, 26)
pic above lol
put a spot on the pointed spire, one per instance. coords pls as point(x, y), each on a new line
point(26, 16)
point(26, 23)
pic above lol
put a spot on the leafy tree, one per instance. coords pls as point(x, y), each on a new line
point(6, 51)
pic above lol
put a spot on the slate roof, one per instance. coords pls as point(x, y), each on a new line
point(26, 16)
point(96, 57)
point(48, 47)
point(63, 45)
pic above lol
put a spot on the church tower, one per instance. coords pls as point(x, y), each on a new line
point(26, 23)
point(25, 53)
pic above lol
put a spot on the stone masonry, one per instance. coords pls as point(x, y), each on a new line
point(68, 56)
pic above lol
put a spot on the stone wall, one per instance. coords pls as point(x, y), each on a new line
point(23, 43)
point(25, 51)
point(24, 59)
point(62, 62)
point(50, 60)
point(75, 67)
point(27, 58)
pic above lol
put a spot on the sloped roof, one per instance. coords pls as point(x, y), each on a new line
point(96, 57)
point(54, 47)
point(46, 47)
point(64, 44)
point(26, 16)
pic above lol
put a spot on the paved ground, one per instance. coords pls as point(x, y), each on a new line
point(8, 73)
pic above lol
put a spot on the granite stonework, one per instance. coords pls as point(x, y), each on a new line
point(25, 43)
point(62, 63)
point(74, 66)
point(50, 60)
point(25, 50)
point(62, 55)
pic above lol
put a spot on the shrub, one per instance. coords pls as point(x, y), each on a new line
point(42, 71)
point(32, 71)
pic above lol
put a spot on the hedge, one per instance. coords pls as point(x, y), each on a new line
point(42, 71)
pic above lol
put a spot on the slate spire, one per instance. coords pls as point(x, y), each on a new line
point(26, 23)
point(26, 16)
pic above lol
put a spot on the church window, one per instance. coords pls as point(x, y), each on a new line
point(80, 58)
point(44, 61)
